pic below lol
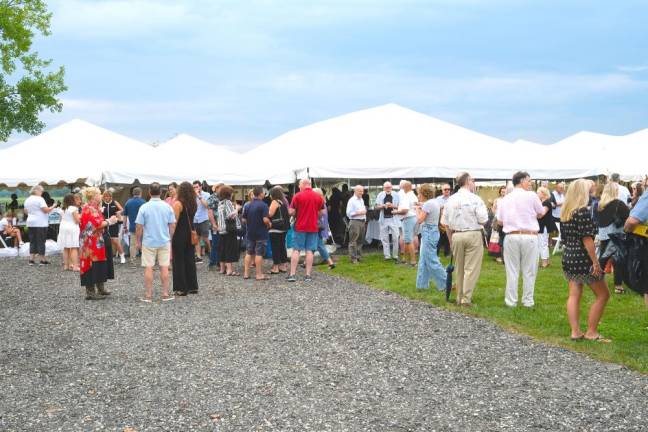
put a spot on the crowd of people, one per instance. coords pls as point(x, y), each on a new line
point(415, 228)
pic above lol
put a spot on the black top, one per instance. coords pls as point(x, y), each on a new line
point(109, 209)
point(547, 221)
point(182, 233)
point(615, 212)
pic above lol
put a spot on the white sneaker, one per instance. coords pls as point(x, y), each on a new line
point(122, 259)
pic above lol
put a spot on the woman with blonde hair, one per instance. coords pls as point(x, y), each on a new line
point(547, 225)
point(579, 261)
point(611, 216)
point(95, 267)
point(427, 215)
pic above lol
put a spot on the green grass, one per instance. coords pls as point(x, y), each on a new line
point(625, 319)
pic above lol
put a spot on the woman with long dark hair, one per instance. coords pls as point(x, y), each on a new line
point(280, 224)
point(185, 280)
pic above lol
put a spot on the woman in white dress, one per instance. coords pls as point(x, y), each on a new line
point(68, 237)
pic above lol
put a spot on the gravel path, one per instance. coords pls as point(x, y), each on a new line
point(259, 356)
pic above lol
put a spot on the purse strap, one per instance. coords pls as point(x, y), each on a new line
point(188, 218)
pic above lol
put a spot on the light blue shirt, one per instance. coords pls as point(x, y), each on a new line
point(155, 217)
point(201, 211)
point(380, 200)
point(640, 210)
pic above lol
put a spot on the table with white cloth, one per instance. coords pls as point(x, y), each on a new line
point(373, 231)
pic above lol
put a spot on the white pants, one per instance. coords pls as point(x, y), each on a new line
point(520, 255)
point(543, 244)
point(390, 226)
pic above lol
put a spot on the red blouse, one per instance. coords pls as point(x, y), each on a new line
point(92, 247)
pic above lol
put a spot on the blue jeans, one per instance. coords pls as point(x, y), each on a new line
point(213, 253)
point(429, 266)
point(321, 248)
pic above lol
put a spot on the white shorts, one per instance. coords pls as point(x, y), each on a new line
point(161, 254)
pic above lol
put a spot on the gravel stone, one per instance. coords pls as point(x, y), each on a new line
point(329, 355)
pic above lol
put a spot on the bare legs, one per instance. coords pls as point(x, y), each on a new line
point(294, 262)
point(596, 310)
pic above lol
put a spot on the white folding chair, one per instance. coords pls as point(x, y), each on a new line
point(2, 240)
point(558, 244)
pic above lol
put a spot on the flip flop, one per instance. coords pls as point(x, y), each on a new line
point(233, 274)
point(168, 298)
point(599, 339)
point(271, 272)
point(245, 277)
point(265, 278)
point(146, 300)
point(578, 338)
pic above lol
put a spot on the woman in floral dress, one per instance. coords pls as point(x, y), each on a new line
point(95, 246)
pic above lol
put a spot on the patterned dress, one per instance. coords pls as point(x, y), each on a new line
point(94, 248)
point(577, 265)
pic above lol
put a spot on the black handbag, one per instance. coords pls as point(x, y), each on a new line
point(281, 220)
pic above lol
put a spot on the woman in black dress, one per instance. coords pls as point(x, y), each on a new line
point(110, 208)
point(579, 261)
point(228, 225)
point(185, 280)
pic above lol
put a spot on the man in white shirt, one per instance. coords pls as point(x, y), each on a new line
point(624, 193)
point(407, 211)
point(557, 199)
point(357, 214)
point(518, 214)
point(387, 202)
point(464, 216)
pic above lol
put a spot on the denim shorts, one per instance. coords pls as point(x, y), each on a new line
point(409, 223)
point(305, 241)
point(256, 247)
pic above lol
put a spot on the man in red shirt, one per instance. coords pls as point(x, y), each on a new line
point(306, 206)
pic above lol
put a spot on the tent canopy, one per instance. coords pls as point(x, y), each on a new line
point(73, 153)
point(390, 141)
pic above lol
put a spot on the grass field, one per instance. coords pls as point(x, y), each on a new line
point(625, 320)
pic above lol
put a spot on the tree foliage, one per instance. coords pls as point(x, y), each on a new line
point(28, 86)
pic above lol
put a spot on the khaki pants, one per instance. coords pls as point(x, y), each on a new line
point(356, 238)
point(132, 246)
point(468, 251)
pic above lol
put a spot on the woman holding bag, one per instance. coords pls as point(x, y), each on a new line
point(228, 244)
point(280, 224)
point(183, 250)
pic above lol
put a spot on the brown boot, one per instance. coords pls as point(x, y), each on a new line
point(101, 290)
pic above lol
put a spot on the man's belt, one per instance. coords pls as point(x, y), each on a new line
point(523, 232)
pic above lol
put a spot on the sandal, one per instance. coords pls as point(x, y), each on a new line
point(245, 277)
point(619, 290)
point(599, 338)
point(271, 272)
point(578, 338)
point(233, 274)
point(263, 278)
point(167, 298)
point(146, 300)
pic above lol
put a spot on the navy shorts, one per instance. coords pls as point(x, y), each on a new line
point(256, 247)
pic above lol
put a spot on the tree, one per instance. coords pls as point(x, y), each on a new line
point(27, 85)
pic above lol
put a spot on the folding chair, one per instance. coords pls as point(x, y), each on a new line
point(558, 244)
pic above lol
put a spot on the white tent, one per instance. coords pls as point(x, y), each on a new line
point(74, 152)
point(186, 158)
point(390, 141)
point(629, 159)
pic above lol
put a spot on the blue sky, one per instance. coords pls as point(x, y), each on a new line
point(242, 72)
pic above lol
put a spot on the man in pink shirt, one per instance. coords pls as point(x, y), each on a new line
point(518, 213)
